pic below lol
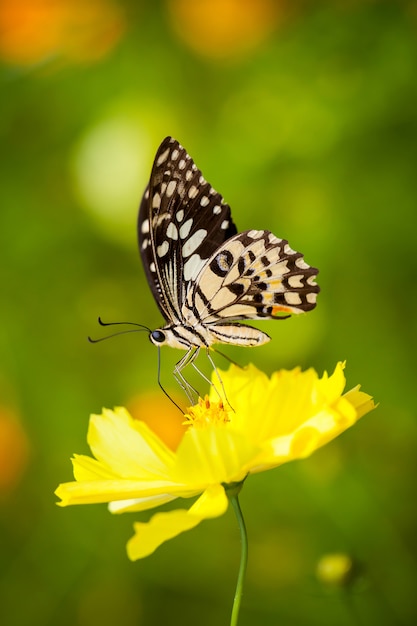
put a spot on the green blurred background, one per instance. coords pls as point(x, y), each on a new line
point(304, 116)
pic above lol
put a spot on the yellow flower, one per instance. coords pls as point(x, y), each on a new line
point(263, 423)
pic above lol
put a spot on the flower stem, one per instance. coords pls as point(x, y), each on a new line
point(243, 558)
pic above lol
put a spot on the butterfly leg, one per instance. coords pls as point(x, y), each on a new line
point(219, 378)
point(188, 359)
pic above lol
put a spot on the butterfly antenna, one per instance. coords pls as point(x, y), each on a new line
point(160, 384)
point(122, 332)
point(100, 321)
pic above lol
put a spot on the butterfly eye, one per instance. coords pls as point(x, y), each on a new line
point(157, 336)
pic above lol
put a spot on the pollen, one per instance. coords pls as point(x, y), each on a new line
point(207, 413)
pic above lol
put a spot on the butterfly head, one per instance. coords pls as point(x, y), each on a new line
point(158, 337)
point(182, 336)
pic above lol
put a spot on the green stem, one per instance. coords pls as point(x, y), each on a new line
point(243, 559)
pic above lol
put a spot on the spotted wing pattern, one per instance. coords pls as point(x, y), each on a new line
point(201, 271)
point(182, 221)
point(254, 275)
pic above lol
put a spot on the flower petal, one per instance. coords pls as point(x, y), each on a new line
point(163, 526)
point(213, 455)
point(315, 432)
point(95, 491)
point(362, 401)
point(85, 469)
point(139, 504)
point(128, 446)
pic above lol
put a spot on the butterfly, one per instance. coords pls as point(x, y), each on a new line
point(204, 275)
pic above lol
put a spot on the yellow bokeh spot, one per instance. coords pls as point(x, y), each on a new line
point(335, 569)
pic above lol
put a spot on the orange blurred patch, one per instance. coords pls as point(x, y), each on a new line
point(225, 28)
point(14, 451)
point(277, 309)
point(161, 415)
point(32, 31)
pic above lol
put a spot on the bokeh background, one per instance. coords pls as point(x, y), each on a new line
point(304, 116)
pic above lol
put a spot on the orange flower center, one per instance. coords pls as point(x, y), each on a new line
point(207, 413)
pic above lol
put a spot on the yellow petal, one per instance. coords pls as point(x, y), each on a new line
point(139, 504)
point(93, 492)
point(163, 526)
point(331, 387)
point(213, 455)
point(315, 432)
point(362, 401)
point(247, 390)
point(128, 446)
point(85, 469)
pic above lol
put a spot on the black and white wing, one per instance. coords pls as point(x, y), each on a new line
point(253, 275)
point(182, 222)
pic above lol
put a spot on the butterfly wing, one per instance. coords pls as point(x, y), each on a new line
point(253, 275)
point(182, 221)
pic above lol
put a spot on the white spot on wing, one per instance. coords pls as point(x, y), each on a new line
point(296, 281)
point(274, 240)
point(181, 164)
point(172, 185)
point(145, 227)
point(162, 249)
point(192, 192)
point(180, 215)
point(156, 201)
point(204, 201)
point(163, 157)
point(301, 263)
point(288, 249)
point(193, 266)
point(172, 231)
point(193, 242)
point(217, 209)
point(152, 267)
point(175, 154)
point(293, 298)
point(311, 298)
point(185, 228)
point(253, 234)
point(224, 224)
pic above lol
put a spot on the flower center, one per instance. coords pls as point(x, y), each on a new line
point(207, 413)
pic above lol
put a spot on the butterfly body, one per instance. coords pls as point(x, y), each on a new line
point(204, 275)
point(184, 336)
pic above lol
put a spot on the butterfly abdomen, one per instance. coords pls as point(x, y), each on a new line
point(184, 337)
